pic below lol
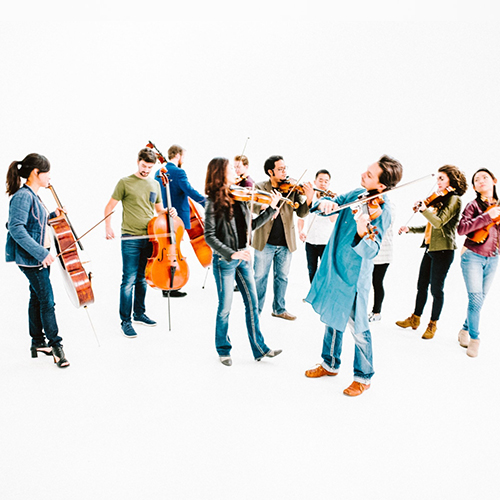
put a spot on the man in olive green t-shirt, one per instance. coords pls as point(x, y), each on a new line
point(140, 197)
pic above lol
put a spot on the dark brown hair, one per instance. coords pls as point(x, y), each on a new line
point(482, 204)
point(147, 155)
point(22, 170)
point(392, 171)
point(457, 178)
point(216, 188)
point(174, 150)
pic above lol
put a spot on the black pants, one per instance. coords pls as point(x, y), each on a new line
point(433, 271)
point(313, 253)
point(378, 275)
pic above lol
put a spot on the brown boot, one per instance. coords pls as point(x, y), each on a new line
point(412, 321)
point(463, 338)
point(431, 330)
point(473, 349)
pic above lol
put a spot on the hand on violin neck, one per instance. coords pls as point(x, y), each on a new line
point(309, 192)
point(275, 198)
point(60, 211)
point(419, 206)
point(242, 255)
point(362, 224)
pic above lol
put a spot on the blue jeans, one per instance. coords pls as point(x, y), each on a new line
point(281, 259)
point(225, 273)
point(135, 255)
point(478, 272)
point(41, 309)
point(363, 355)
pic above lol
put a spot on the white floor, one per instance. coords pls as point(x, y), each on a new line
point(159, 417)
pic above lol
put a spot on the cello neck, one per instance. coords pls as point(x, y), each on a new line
point(60, 206)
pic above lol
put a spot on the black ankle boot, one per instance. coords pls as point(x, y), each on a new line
point(40, 346)
point(59, 357)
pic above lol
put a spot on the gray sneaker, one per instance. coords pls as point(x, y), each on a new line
point(226, 360)
point(128, 329)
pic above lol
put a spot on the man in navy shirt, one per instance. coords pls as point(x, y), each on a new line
point(180, 191)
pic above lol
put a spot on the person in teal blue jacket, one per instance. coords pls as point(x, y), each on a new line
point(340, 289)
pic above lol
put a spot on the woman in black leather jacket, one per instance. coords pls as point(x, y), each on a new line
point(226, 231)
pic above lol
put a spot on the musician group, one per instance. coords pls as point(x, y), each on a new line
point(344, 235)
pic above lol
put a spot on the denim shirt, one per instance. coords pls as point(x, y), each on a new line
point(26, 229)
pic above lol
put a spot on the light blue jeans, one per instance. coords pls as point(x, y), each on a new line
point(363, 355)
point(225, 274)
point(478, 272)
point(281, 259)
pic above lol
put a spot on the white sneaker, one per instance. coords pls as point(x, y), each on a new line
point(374, 317)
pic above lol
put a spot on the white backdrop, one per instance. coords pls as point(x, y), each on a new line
point(327, 85)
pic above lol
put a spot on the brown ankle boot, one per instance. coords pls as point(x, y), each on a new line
point(412, 321)
point(431, 330)
point(473, 349)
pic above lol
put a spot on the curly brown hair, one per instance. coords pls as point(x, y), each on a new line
point(457, 178)
point(216, 187)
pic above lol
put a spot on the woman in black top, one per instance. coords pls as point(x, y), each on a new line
point(226, 231)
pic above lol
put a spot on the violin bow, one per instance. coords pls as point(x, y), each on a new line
point(376, 195)
point(84, 234)
point(292, 188)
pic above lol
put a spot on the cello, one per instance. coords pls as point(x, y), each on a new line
point(167, 268)
point(76, 279)
point(197, 232)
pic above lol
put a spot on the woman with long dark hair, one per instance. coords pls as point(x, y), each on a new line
point(226, 231)
point(28, 246)
point(479, 259)
point(439, 243)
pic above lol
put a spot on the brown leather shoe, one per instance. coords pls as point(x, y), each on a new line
point(319, 371)
point(463, 338)
point(431, 330)
point(356, 389)
point(413, 321)
point(473, 349)
point(285, 315)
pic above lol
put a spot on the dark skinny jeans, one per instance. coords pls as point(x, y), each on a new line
point(378, 275)
point(433, 271)
point(313, 254)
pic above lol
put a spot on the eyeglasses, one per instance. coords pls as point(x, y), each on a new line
point(280, 169)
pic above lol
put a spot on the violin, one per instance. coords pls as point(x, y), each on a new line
point(435, 198)
point(167, 268)
point(240, 178)
point(371, 207)
point(197, 232)
point(482, 234)
point(240, 193)
point(288, 185)
point(77, 281)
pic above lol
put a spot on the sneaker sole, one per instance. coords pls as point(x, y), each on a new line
point(144, 324)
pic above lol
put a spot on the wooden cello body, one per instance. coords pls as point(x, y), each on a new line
point(167, 268)
point(197, 236)
point(76, 279)
point(197, 232)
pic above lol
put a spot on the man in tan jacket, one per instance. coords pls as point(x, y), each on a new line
point(274, 242)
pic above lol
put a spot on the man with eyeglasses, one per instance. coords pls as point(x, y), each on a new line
point(274, 242)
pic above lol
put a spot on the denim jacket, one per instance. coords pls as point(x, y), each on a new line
point(26, 229)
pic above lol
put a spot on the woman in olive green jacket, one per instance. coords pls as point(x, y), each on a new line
point(439, 243)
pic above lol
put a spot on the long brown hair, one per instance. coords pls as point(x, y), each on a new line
point(22, 170)
point(216, 187)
